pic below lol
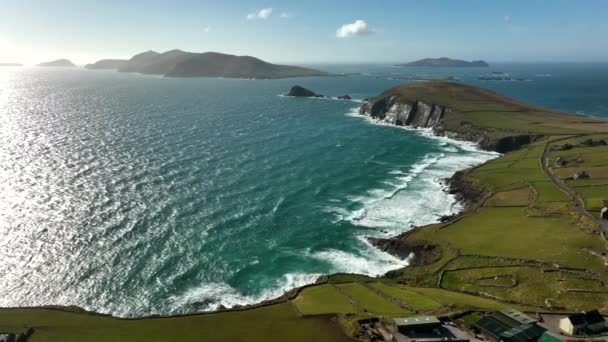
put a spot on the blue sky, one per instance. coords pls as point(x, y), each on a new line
point(32, 31)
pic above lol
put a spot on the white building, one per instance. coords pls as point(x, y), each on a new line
point(583, 323)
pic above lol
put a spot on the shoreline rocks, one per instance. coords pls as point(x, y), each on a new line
point(418, 254)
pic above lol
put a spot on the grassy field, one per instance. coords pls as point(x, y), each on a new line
point(323, 299)
point(272, 323)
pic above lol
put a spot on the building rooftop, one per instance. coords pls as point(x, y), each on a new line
point(518, 316)
point(591, 317)
point(523, 333)
point(410, 321)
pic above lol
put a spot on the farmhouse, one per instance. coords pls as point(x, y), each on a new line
point(560, 161)
point(581, 175)
point(583, 323)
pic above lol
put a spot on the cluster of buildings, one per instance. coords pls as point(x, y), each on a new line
point(510, 326)
point(515, 326)
point(500, 326)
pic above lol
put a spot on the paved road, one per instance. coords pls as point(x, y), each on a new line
point(578, 203)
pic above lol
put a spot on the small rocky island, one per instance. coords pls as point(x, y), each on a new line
point(57, 63)
point(299, 91)
point(445, 62)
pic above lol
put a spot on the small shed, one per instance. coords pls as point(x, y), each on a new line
point(407, 325)
point(582, 175)
point(604, 213)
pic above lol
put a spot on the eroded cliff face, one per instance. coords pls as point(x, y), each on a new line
point(391, 110)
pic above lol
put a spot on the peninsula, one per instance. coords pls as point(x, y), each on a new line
point(107, 64)
point(444, 62)
point(57, 63)
point(178, 63)
point(530, 239)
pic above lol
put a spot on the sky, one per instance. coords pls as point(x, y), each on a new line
point(311, 31)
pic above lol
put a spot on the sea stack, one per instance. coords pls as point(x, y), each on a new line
point(299, 91)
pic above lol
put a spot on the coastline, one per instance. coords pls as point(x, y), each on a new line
point(393, 243)
point(465, 195)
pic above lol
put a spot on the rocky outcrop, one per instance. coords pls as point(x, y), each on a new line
point(344, 97)
point(298, 91)
point(391, 110)
point(418, 253)
point(465, 191)
point(507, 144)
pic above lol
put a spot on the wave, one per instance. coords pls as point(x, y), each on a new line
point(214, 296)
point(416, 196)
point(369, 260)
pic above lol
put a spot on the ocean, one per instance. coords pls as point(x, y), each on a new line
point(134, 195)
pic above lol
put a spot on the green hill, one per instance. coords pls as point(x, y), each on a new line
point(108, 64)
point(178, 63)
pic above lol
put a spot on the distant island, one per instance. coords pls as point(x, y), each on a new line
point(178, 63)
point(57, 63)
point(10, 64)
point(444, 62)
point(107, 64)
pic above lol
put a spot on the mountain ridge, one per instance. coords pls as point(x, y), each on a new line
point(179, 63)
point(444, 62)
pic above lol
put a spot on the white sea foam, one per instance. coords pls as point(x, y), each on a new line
point(415, 196)
point(369, 260)
point(211, 296)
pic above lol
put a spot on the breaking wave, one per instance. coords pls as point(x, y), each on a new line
point(214, 296)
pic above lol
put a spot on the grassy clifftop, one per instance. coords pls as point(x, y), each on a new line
point(469, 113)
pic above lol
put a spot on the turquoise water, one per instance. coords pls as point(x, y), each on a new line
point(133, 195)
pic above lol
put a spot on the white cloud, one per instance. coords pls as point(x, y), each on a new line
point(207, 29)
point(358, 28)
point(286, 15)
point(507, 19)
point(264, 13)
